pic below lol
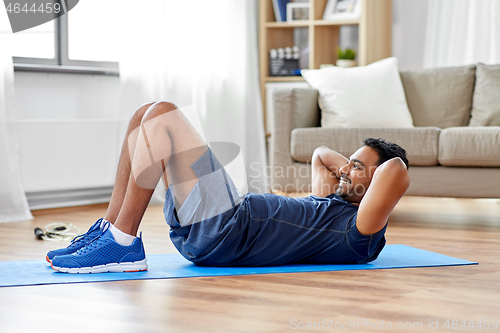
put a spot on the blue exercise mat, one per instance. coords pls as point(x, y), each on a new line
point(168, 266)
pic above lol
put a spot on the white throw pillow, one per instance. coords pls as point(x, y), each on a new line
point(365, 96)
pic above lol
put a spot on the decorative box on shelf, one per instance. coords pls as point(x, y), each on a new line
point(284, 61)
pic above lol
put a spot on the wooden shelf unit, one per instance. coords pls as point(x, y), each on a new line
point(374, 39)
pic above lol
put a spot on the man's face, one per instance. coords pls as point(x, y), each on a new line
point(357, 174)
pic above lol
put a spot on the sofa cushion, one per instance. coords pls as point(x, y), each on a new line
point(470, 146)
point(486, 101)
point(441, 181)
point(421, 144)
point(440, 97)
point(364, 96)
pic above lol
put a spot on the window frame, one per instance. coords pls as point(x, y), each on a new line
point(61, 62)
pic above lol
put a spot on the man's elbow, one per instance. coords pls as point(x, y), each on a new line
point(397, 169)
point(401, 172)
point(318, 152)
point(320, 149)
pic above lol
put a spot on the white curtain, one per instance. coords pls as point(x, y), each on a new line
point(462, 32)
point(200, 55)
point(13, 203)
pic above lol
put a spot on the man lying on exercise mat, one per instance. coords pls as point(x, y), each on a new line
point(212, 224)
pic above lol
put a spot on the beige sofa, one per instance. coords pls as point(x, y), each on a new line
point(449, 154)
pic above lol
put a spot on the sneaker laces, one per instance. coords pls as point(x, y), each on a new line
point(96, 241)
point(82, 237)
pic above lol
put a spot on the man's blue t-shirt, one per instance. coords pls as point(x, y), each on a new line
point(268, 229)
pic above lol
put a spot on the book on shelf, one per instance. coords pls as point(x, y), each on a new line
point(280, 10)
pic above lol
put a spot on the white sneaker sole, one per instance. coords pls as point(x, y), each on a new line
point(135, 266)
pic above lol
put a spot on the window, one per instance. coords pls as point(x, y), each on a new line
point(95, 41)
point(79, 42)
point(37, 42)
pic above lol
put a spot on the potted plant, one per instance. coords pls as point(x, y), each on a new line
point(345, 58)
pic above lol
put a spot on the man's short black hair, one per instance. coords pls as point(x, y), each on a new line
point(386, 150)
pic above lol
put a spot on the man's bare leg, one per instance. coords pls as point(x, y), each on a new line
point(164, 132)
point(124, 167)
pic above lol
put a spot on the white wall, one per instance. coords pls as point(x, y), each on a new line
point(68, 128)
point(409, 20)
point(66, 96)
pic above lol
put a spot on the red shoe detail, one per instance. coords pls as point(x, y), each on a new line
point(139, 270)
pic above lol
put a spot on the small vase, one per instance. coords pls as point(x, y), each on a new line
point(346, 63)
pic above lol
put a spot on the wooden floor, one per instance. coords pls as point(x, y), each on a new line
point(408, 299)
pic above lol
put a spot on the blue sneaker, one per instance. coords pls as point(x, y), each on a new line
point(103, 255)
point(77, 243)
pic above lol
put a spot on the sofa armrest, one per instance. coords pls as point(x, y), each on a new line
point(292, 108)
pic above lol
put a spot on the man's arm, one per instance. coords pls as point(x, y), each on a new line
point(326, 164)
point(390, 181)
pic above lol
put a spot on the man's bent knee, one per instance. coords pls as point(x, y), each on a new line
point(136, 117)
point(157, 109)
point(167, 106)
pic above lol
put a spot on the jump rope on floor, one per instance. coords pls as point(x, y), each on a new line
point(58, 231)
